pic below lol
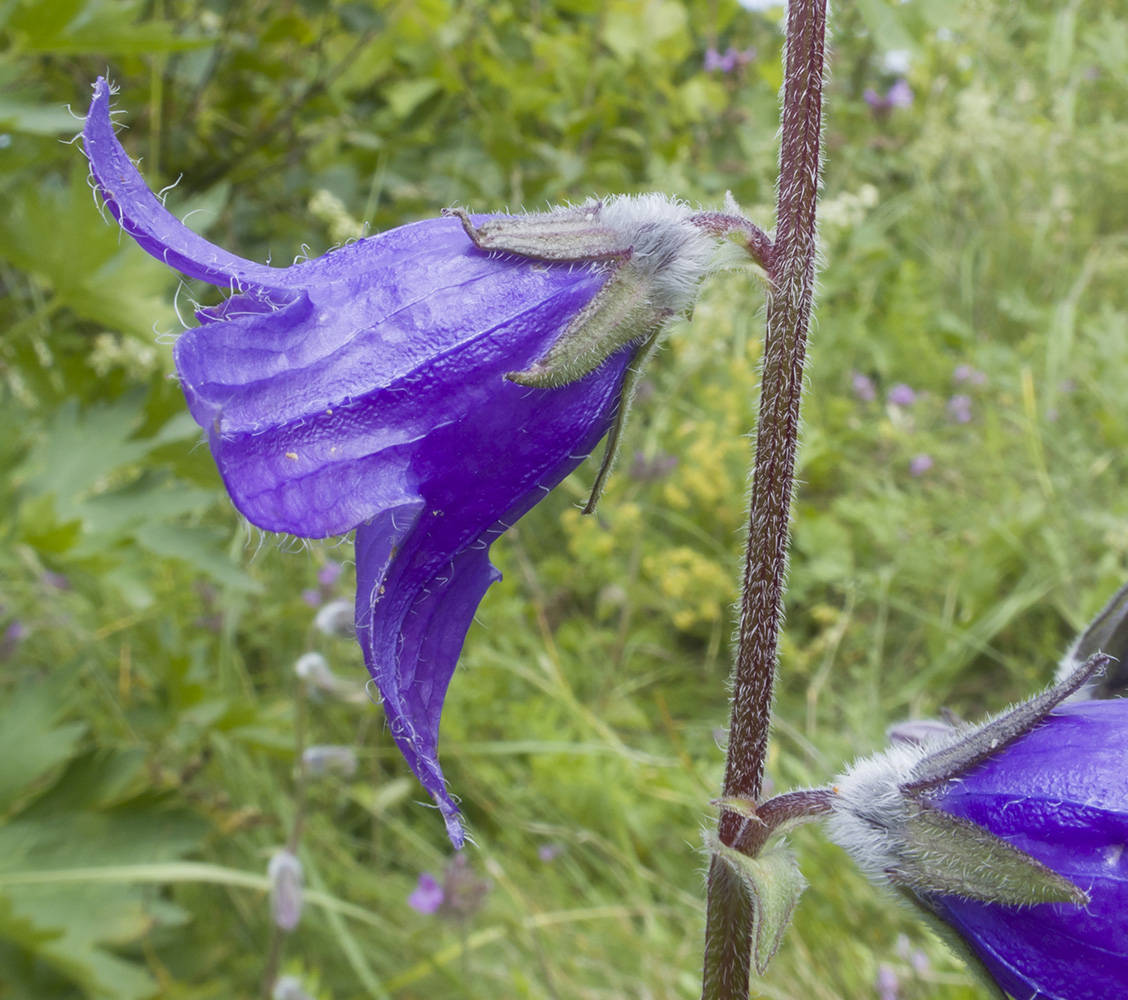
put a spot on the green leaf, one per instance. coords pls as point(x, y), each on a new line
point(55, 232)
point(884, 20)
point(202, 548)
point(80, 449)
point(32, 741)
point(36, 119)
point(70, 926)
point(773, 883)
point(95, 26)
point(404, 97)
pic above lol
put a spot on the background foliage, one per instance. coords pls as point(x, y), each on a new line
point(960, 514)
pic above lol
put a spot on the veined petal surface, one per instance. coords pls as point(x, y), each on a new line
point(1060, 793)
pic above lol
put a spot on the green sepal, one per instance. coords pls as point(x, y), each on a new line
point(619, 314)
point(991, 738)
point(1107, 633)
point(947, 855)
point(773, 883)
point(615, 434)
point(560, 235)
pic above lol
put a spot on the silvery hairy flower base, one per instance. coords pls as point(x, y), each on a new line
point(1011, 837)
point(425, 387)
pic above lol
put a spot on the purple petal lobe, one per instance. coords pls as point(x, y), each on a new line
point(143, 217)
point(1061, 794)
point(422, 573)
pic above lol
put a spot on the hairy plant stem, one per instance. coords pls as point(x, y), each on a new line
point(791, 286)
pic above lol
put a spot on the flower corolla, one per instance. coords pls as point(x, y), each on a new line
point(424, 387)
point(1011, 837)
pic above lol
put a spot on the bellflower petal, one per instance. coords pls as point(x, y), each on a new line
point(367, 390)
point(1012, 834)
point(1061, 794)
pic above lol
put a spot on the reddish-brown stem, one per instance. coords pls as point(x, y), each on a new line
point(791, 289)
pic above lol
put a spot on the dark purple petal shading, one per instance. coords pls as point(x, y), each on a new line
point(1061, 794)
point(366, 389)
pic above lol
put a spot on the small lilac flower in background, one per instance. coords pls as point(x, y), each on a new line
point(327, 577)
point(888, 986)
point(728, 62)
point(918, 731)
point(549, 852)
point(13, 635)
point(901, 395)
point(652, 470)
point(427, 896)
point(458, 897)
point(58, 581)
point(900, 95)
point(463, 890)
point(419, 388)
point(285, 874)
point(918, 959)
point(920, 464)
point(914, 956)
point(966, 374)
point(863, 387)
point(959, 408)
point(1012, 833)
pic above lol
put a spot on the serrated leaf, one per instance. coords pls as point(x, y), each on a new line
point(32, 741)
point(53, 231)
point(80, 448)
point(94, 780)
point(69, 925)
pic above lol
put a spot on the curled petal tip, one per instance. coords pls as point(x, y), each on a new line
point(454, 829)
point(144, 217)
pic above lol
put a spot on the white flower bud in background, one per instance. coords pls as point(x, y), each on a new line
point(336, 619)
point(322, 760)
point(285, 874)
point(289, 988)
point(319, 678)
point(314, 669)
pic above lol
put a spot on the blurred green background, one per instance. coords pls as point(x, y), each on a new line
point(960, 513)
